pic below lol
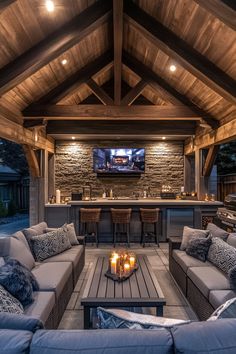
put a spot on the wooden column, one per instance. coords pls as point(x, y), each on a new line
point(188, 186)
point(200, 183)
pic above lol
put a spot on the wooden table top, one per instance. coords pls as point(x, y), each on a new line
point(142, 288)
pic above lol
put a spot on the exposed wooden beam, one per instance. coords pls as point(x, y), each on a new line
point(99, 92)
point(32, 123)
point(134, 93)
point(15, 132)
point(220, 10)
point(73, 82)
point(55, 44)
point(113, 129)
point(118, 39)
point(88, 112)
point(5, 3)
point(165, 91)
point(32, 160)
point(224, 133)
point(210, 159)
point(182, 52)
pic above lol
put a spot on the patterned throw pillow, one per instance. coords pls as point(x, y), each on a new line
point(8, 303)
point(50, 244)
point(222, 255)
point(189, 234)
point(226, 310)
point(116, 318)
point(14, 279)
point(198, 248)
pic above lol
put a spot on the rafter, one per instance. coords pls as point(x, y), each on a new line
point(32, 160)
point(164, 89)
point(5, 3)
point(99, 92)
point(220, 10)
point(134, 93)
point(51, 47)
point(175, 47)
point(118, 39)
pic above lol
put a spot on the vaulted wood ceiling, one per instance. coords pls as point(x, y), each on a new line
point(118, 54)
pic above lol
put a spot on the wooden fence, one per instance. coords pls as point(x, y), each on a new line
point(226, 185)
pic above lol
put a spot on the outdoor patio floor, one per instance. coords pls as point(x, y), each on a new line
point(176, 304)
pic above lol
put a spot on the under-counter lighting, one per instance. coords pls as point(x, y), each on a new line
point(73, 137)
point(172, 68)
point(49, 5)
point(64, 61)
point(163, 138)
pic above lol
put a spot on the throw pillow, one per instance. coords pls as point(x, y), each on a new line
point(231, 240)
point(23, 322)
point(28, 274)
point(116, 318)
point(216, 231)
point(71, 234)
point(198, 248)
point(9, 303)
point(189, 234)
point(226, 310)
point(222, 255)
point(13, 278)
point(50, 244)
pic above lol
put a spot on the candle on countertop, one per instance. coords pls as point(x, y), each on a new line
point(126, 268)
point(113, 265)
point(58, 196)
point(132, 262)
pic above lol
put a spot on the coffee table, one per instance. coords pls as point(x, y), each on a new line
point(140, 290)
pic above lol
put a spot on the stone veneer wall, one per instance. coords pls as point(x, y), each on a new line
point(164, 164)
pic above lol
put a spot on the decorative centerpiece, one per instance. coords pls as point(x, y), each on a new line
point(122, 265)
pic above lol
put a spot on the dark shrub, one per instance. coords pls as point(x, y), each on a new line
point(12, 208)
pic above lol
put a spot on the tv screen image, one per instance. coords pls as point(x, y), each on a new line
point(119, 160)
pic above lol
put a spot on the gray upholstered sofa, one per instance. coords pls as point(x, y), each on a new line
point(197, 337)
point(205, 286)
point(56, 276)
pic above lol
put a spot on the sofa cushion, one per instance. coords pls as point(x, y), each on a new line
point(71, 234)
point(205, 337)
point(116, 318)
point(189, 234)
point(16, 321)
point(231, 240)
point(21, 237)
point(9, 303)
point(208, 278)
point(219, 297)
point(52, 276)
point(15, 248)
point(222, 255)
point(216, 231)
point(42, 305)
point(15, 341)
point(198, 248)
point(50, 244)
point(102, 342)
point(34, 230)
point(185, 261)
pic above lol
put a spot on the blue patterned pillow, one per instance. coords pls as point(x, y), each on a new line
point(50, 244)
point(222, 255)
point(116, 318)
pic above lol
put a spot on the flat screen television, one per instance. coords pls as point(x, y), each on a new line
point(118, 160)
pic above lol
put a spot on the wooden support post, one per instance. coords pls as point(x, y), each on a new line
point(210, 159)
point(51, 174)
point(200, 183)
point(32, 160)
point(188, 174)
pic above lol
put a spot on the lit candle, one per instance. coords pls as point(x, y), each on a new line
point(113, 265)
point(126, 268)
point(132, 262)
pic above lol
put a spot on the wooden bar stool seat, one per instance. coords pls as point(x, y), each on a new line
point(89, 221)
point(149, 217)
point(121, 223)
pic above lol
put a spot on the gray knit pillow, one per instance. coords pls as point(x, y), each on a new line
point(189, 234)
point(198, 248)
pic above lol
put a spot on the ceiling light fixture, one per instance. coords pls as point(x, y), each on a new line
point(73, 137)
point(163, 138)
point(49, 5)
point(64, 61)
point(172, 68)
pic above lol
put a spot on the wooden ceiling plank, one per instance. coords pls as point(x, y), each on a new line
point(73, 82)
point(210, 159)
point(93, 111)
point(32, 160)
point(220, 10)
point(118, 43)
point(134, 93)
point(223, 134)
point(55, 44)
point(165, 91)
point(182, 52)
point(5, 3)
point(99, 92)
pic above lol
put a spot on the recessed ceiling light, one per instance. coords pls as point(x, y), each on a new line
point(73, 137)
point(172, 67)
point(49, 5)
point(64, 61)
point(163, 138)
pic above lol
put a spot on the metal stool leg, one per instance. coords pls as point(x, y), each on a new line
point(96, 235)
point(156, 234)
point(128, 232)
point(114, 235)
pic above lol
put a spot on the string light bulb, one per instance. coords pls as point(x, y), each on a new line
point(172, 68)
point(49, 5)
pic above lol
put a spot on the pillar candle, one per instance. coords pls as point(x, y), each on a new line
point(58, 196)
point(132, 262)
point(113, 265)
point(126, 268)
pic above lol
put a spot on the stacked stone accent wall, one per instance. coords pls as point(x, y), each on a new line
point(164, 165)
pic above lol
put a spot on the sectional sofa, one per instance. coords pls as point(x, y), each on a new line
point(56, 276)
point(204, 285)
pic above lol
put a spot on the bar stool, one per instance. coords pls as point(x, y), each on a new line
point(121, 223)
point(89, 220)
point(149, 216)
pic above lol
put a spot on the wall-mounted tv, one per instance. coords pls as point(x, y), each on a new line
point(119, 160)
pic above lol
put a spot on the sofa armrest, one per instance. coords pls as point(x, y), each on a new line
point(174, 243)
point(81, 240)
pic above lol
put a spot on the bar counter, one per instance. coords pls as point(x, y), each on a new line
point(174, 215)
